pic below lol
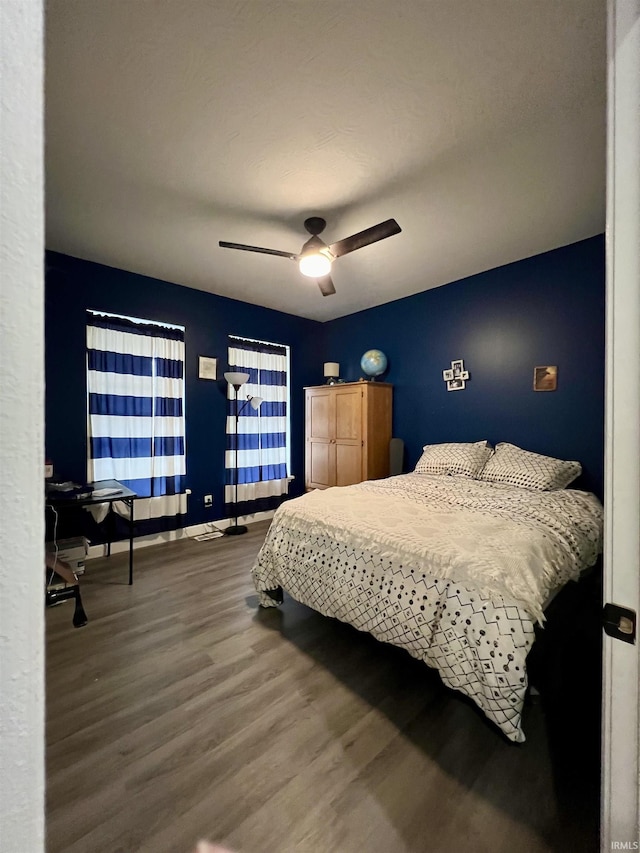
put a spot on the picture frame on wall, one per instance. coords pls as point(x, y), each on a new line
point(447, 375)
point(207, 367)
point(458, 367)
point(456, 384)
point(545, 378)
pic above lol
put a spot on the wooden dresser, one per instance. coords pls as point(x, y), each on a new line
point(348, 429)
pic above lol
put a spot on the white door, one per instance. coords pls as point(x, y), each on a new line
point(621, 675)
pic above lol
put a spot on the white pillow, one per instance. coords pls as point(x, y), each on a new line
point(511, 464)
point(466, 458)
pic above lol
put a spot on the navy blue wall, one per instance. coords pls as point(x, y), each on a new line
point(548, 309)
point(74, 285)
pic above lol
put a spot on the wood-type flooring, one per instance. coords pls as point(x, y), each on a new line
point(183, 711)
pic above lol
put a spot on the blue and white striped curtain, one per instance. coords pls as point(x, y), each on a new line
point(136, 435)
point(263, 435)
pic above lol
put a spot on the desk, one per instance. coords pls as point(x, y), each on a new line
point(58, 501)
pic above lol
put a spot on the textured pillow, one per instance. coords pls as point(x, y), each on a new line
point(468, 459)
point(511, 464)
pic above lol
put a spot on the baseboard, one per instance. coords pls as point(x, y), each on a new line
point(173, 535)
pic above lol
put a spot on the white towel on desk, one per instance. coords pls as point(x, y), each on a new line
point(98, 511)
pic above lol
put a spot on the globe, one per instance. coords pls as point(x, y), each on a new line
point(373, 362)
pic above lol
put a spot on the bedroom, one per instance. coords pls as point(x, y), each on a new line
point(503, 322)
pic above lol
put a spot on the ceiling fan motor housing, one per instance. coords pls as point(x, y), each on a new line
point(314, 244)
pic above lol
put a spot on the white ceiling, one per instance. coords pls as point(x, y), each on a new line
point(171, 124)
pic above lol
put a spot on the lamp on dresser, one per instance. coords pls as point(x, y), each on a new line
point(331, 372)
point(237, 380)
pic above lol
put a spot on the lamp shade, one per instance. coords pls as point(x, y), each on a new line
point(255, 402)
point(331, 368)
point(236, 379)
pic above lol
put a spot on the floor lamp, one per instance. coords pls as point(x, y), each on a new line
point(238, 380)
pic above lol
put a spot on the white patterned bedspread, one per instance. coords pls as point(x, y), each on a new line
point(455, 571)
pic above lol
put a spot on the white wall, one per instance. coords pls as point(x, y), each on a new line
point(21, 428)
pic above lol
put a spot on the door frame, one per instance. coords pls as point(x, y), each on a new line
point(620, 809)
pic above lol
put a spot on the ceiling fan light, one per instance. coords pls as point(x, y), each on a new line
point(315, 265)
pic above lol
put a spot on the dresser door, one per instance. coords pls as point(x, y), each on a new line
point(320, 462)
point(348, 435)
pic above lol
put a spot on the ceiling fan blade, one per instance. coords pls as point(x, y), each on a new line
point(257, 249)
point(365, 238)
point(326, 285)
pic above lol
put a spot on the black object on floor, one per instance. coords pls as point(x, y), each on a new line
point(57, 596)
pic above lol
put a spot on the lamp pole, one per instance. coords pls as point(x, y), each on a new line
point(238, 380)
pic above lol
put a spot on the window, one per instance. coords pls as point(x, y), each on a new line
point(135, 403)
point(263, 440)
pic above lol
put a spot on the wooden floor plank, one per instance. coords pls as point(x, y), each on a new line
point(182, 710)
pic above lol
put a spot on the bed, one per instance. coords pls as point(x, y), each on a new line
point(455, 569)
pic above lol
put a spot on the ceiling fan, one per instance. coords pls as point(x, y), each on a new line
point(315, 257)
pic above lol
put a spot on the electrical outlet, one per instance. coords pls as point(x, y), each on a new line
point(208, 500)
